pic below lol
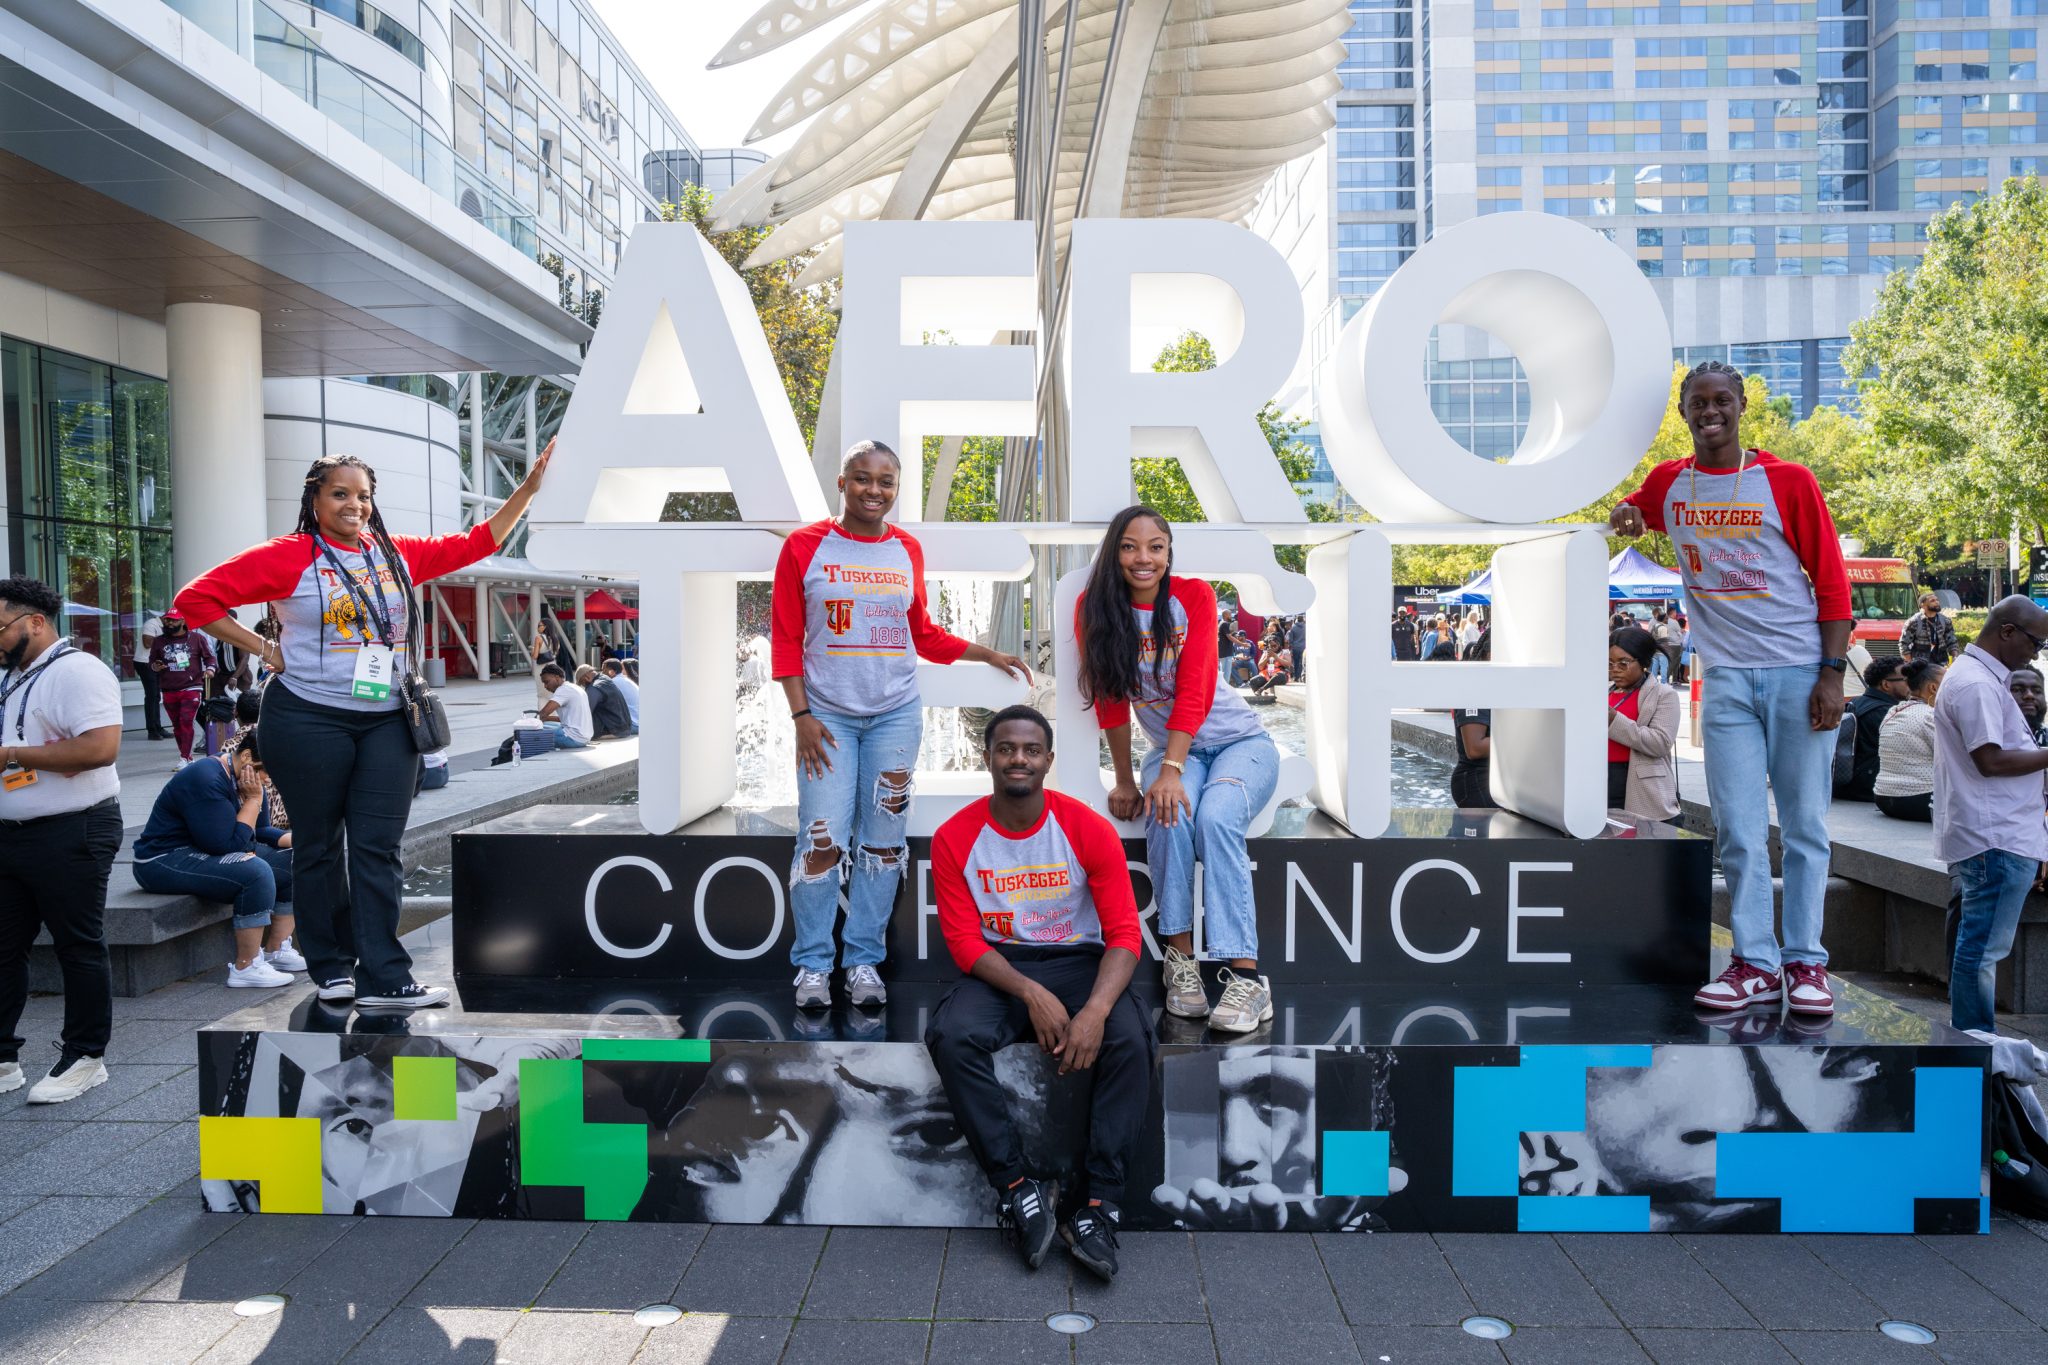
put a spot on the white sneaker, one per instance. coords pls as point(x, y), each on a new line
point(12, 1077)
point(813, 989)
point(257, 973)
point(69, 1082)
point(286, 958)
point(864, 987)
point(1247, 1002)
point(1184, 994)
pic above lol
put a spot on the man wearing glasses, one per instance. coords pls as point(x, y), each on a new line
point(1988, 825)
point(60, 826)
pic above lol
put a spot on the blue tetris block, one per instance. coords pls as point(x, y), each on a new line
point(1866, 1182)
point(1354, 1163)
point(1583, 1213)
point(1492, 1106)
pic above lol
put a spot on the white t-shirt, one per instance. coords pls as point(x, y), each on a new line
point(146, 634)
point(575, 712)
point(78, 693)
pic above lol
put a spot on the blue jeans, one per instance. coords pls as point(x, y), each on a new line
point(1227, 786)
point(1993, 886)
point(563, 739)
point(1756, 727)
point(256, 882)
point(863, 813)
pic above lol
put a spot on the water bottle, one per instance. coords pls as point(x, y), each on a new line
point(518, 749)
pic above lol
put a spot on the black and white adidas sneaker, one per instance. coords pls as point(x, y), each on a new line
point(1025, 1214)
point(1090, 1236)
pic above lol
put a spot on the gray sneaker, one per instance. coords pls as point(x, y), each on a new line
point(1184, 994)
point(864, 987)
point(813, 990)
point(1247, 1003)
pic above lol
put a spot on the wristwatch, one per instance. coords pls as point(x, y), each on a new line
point(1838, 664)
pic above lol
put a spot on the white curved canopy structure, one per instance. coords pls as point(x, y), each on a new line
point(913, 112)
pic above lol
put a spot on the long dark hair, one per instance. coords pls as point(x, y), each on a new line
point(309, 524)
point(1111, 642)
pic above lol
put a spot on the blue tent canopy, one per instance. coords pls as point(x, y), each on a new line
point(1631, 577)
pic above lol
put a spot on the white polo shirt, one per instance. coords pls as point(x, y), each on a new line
point(1974, 813)
point(59, 698)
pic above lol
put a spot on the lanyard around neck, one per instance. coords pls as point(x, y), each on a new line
point(372, 602)
point(25, 683)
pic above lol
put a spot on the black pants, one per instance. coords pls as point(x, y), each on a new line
point(344, 773)
point(53, 873)
point(1919, 807)
point(976, 1021)
point(152, 699)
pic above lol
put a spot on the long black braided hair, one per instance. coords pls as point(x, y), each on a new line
point(309, 524)
point(1111, 641)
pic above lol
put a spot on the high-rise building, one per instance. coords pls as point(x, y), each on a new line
point(238, 234)
point(1765, 164)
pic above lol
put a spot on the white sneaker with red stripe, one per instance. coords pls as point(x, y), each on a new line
point(1806, 989)
point(1741, 985)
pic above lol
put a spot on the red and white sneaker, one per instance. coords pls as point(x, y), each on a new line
point(1806, 989)
point(1740, 986)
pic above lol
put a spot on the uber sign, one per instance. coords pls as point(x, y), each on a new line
point(1498, 899)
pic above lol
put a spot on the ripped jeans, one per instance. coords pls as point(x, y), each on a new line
point(1227, 786)
point(860, 809)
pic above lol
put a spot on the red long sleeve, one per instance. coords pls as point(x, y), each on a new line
point(1101, 852)
point(262, 573)
point(786, 601)
point(929, 640)
point(430, 557)
point(1810, 529)
point(959, 921)
point(1194, 674)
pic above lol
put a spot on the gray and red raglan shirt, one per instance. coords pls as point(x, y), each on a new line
point(324, 622)
point(848, 616)
point(1761, 563)
point(1063, 883)
point(1183, 695)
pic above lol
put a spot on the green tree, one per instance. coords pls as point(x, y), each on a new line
point(1958, 411)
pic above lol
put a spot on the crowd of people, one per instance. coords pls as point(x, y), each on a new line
point(1440, 637)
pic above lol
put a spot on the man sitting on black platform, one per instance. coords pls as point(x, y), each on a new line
point(1036, 905)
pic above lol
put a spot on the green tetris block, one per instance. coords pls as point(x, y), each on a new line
point(646, 1050)
point(556, 1147)
point(423, 1088)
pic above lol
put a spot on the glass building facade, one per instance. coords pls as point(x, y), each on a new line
point(88, 473)
point(1707, 139)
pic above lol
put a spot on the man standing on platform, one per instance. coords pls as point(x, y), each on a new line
point(1770, 601)
point(1036, 905)
point(1988, 824)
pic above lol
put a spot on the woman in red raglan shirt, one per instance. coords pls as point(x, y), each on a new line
point(1148, 640)
point(847, 626)
point(332, 737)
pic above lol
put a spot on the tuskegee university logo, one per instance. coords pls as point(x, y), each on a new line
point(680, 393)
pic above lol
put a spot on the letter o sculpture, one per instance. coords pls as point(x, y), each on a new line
point(1588, 331)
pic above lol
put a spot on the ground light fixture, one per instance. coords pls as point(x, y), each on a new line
point(1488, 1329)
point(656, 1315)
point(1070, 1323)
point(1899, 1330)
point(259, 1305)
